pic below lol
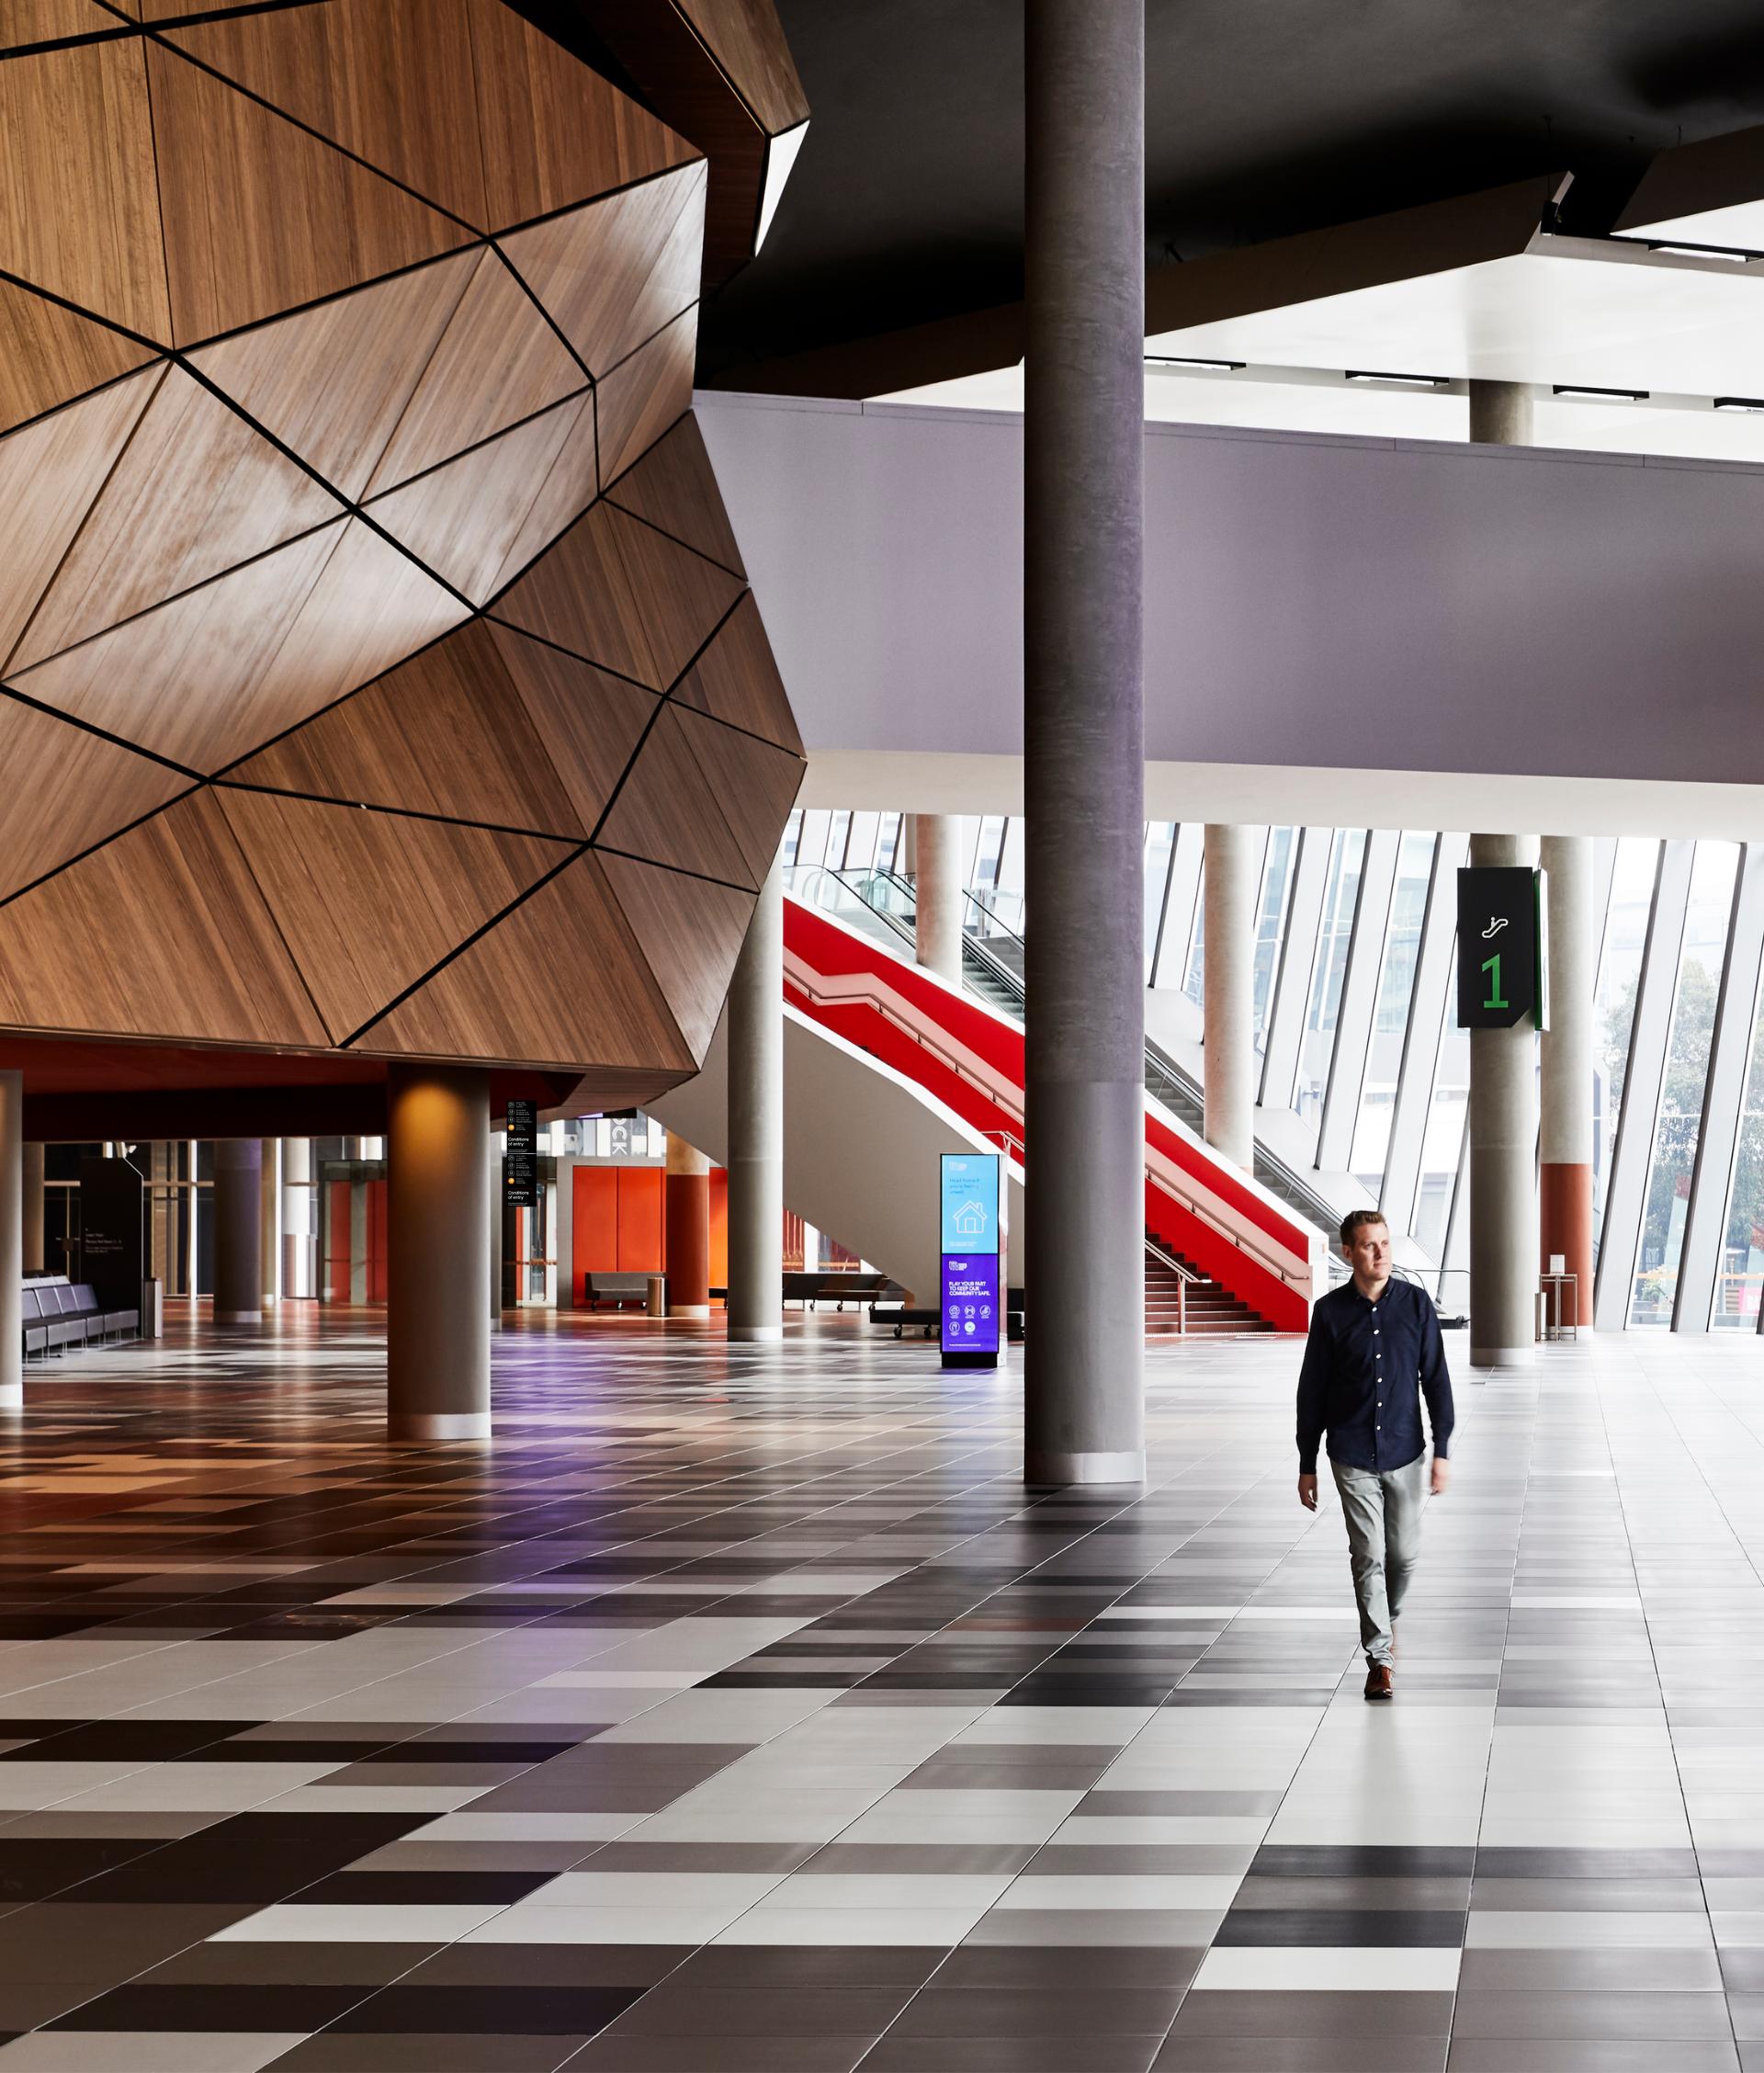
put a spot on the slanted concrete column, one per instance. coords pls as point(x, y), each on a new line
point(238, 1231)
point(1229, 994)
point(12, 1240)
point(756, 1123)
point(1565, 1082)
point(687, 1219)
point(1503, 1168)
point(1084, 740)
point(937, 882)
point(34, 1167)
point(269, 1218)
point(438, 1243)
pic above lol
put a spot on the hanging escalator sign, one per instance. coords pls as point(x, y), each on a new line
point(973, 1259)
point(1502, 954)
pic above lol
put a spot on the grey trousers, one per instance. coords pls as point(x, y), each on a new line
point(1383, 1518)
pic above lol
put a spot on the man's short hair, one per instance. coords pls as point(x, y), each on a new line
point(1355, 1217)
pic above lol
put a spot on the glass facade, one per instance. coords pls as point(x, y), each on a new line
point(1383, 1051)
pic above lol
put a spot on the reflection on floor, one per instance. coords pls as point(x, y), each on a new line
point(736, 1712)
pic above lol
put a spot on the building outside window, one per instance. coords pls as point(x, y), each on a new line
point(1614, 1008)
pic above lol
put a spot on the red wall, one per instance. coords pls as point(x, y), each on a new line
point(616, 1221)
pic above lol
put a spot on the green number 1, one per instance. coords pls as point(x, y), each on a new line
point(1493, 964)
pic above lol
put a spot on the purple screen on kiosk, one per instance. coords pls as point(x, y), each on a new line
point(970, 1308)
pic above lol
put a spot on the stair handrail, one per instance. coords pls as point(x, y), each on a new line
point(1178, 1267)
point(803, 979)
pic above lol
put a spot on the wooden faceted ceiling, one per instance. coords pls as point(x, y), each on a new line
point(377, 672)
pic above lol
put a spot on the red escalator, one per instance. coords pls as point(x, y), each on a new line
point(1256, 1261)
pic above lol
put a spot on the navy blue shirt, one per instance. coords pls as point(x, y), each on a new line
point(1366, 1366)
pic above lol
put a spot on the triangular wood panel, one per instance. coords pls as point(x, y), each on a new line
point(42, 21)
point(690, 932)
point(646, 394)
point(590, 722)
point(83, 789)
point(554, 132)
point(161, 932)
point(77, 159)
point(389, 80)
point(613, 273)
point(50, 474)
point(447, 732)
point(206, 679)
point(49, 356)
point(667, 810)
point(559, 982)
point(736, 679)
point(756, 783)
point(498, 361)
point(674, 487)
point(325, 871)
point(462, 519)
point(196, 491)
point(332, 383)
point(618, 593)
point(747, 42)
point(567, 492)
point(260, 215)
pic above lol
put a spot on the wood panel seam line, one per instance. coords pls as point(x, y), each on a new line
point(84, 40)
point(318, 301)
point(527, 633)
point(465, 289)
point(161, 34)
point(525, 288)
point(103, 734)
point(340, 519)
point(85, 396)
point(265, 901)
point(159, 348)
point(577, 852)
point(650, 523)
point(477, 446)
point(748, 108)
point(223, 782)
point(600, 194)
point(698, 653)
point(678, 316)
point(159, 194)
point(92, 849)
point(85, 519)
point(675, 871)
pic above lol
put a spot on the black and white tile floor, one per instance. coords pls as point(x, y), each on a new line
point(737, 1711)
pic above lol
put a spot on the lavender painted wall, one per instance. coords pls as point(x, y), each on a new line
point(1398, 605)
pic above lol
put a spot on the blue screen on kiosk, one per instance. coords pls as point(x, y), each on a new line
point(970, 1203)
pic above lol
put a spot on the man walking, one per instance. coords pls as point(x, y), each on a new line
point(1374, 1350)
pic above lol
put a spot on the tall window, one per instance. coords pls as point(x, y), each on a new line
point(1342, 893)
point(1390, 1020)
point(1160, 840)
point(1680, 1123)
point(1194, 984)
point(1270, 919)
point(1742, 1253)
point(1614, 1008)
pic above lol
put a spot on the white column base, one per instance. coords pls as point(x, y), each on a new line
point(698, 1311)
point(438, 1425)
point(757, 1334)
point(12, 1396)
point(1061, 1468)
point(236, 1318)
point(1503, 1356)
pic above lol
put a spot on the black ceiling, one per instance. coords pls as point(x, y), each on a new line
point(1263, 116)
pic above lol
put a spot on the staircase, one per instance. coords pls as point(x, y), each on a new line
point(1211, 1312)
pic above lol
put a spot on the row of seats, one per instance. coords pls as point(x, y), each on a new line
point(60, 1313)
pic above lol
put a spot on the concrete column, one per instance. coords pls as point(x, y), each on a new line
point(1501, 413)
point(1565, 1082)
point(1503, 1168)
point(269, 1216)
point(298, 1278)
point(12, 1240)
point(937, 884)
point(437, 1330)
point(1229, 998)
point(238, 1231)
point(1084, 739)
point(687, 1217)
point(34, 1164)
point(756, 1123)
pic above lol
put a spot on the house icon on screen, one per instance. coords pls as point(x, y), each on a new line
point(969, 1219)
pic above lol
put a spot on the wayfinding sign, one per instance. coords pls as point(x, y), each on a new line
point(1502, 955)
point(972, 1247)
point(519, 1160)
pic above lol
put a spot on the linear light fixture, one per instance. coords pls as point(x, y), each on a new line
point(1600, 395)
point(1753, 403)
point(1193, 367)
point(1398, 380)
point(1734, 253)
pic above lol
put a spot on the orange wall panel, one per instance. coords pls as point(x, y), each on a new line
point(593, 1230)
point(719, 1226)
point(641, 1242)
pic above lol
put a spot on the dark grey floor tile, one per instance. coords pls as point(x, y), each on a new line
point(1538, 2014)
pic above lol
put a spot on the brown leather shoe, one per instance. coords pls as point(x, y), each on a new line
point(1379, 1686)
